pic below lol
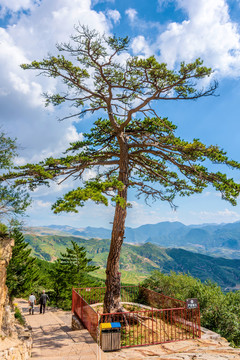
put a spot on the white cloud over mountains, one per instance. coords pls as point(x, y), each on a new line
point(221, 216)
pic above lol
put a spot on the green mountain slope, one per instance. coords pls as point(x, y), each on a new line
point(209, 239)
point(137, 261)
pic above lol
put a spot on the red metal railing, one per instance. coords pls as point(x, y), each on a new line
point(96, 295)
point(159, 300)
point(85, 313)
point(168, 319)
point(149, 327)
point(92, 295)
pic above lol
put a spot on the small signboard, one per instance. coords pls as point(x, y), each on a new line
point(88, 289)
point(192, 303)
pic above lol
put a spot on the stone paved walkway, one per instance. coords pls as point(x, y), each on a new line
point(53, 339)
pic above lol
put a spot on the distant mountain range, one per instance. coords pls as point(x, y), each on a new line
point(138, 261)
point(214, 239)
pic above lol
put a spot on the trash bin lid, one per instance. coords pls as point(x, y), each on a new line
point(115, 324)
point(105, 326)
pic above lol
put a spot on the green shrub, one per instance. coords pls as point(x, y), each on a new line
point(18, 316)
point(3, 230)
point(220, 312)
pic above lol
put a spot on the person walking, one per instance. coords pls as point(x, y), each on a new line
point(32, 302)
point(43, 301)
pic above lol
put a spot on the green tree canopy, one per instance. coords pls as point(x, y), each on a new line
point(22, 272)
point(13, 200)
point(75, 264)
point(220, 312)
point(71, 270)
point(132, 146)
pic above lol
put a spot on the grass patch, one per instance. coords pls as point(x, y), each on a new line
point(127, 277)
point(153, 330)
point(18, 316)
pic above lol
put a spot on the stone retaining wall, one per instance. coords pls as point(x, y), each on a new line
point(18, 346)
point(6, 245)
point(76, 323)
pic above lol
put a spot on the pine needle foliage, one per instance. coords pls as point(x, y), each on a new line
point(13, 200)
point(22, 272)
point(74, 264)
point(71, 270)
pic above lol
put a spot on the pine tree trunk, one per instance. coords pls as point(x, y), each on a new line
point(113, 285)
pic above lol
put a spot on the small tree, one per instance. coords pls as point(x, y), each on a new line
point(70, 270)
point(75, 264)
point(13, 201)
point(59, 283)
point(132, 147)
point(22, 272)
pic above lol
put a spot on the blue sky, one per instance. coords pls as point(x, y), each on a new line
point(173, 30)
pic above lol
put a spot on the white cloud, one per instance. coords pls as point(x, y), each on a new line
point(72, 136)
point(207, 33)
point(33, 36)
point(114, 15)
point(53, 21)
point(145, 26)
point(18, 83)
point(55, 143)
point(100, 215)
point(132, 14)
point(207, 194)
point(40, 204)
point(15, 5)
point(55, 189)
point(221, 216)
point(140, 46)
point(141, 214)
point(89, 174)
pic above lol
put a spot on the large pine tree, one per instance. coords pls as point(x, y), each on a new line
point(133, 147)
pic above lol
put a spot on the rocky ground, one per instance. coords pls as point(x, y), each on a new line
point(210, 347)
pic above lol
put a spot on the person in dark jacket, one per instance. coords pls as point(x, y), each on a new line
point(43, 301)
